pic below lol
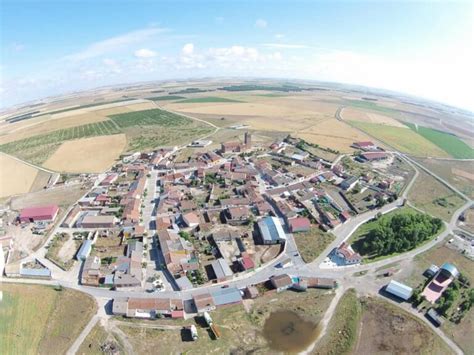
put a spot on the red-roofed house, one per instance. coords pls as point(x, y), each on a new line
point(39, 213)
point(246, 262)
point(299, 224)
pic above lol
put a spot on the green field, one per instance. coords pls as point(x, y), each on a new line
point(447, 142)
point(402, 139)
point(37, 149)
point(206, 99)
point(150, 118)
point(41, 320)
point(370, 105)
point(166, 98)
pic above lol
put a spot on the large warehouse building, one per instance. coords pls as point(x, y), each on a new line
point(39, 213)
point(271, 231)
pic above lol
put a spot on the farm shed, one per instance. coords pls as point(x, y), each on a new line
point(400, 290)
point(85, 250)
point(39, 213)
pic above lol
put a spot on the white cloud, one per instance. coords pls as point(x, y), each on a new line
point(261, 23)
point(145, 53)
point(188, 49)
point(279, 36)
point(114, 43)
point(285, 45)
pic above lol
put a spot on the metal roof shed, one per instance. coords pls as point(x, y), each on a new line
point(225, 296)
point(85, 250)
point(400, 290)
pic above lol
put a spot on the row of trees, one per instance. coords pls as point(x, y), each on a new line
point(399, 233)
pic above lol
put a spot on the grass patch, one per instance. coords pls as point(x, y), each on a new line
point(312, 243)
point(431, 196)
point(341, 334)
point(40, 320)
point(447, 142)
point(402, 139)
point(207, 99)
point(166, 98)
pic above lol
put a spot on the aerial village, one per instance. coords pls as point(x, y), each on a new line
point(153, 224)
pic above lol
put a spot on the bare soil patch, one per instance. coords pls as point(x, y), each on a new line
point(92, 155)
point(384, 326)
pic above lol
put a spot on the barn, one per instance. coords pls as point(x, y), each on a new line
point(39, 213)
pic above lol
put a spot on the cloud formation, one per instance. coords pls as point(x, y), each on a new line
point(145, 53)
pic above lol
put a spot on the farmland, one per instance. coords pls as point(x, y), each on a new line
point(93, 155)
point(458, 173)
point(447, 142)
point(40, 319)
point(148, 118)
point(372, 106)
point(15, 176)
point(38, 149)
point(207, 99)
point(402, 139)
point(166, 98)
point(162, 128)
point(431, 196)
point(353, 114)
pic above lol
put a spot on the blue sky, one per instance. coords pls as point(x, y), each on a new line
point(421, 48)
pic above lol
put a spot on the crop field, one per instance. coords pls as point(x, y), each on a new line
point(370, 105)
point(40, 319)
point(38, 149)
point(431, 196)
point(149, 118)
point(15, 176)
point(447, 142)
point(458, 173)
point(353, 114)
point(333, 134)
point(92, 155)
point(383, 325)
point(207, 99)
point(402, 139)
point(166, 98)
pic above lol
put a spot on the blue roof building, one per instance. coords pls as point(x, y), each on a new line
point(271, 231)
point(226, 296)
point(450, 268)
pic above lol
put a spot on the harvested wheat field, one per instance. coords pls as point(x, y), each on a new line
point(331, 133)
point(353, 114)
point(88, 155)
point(15, 176)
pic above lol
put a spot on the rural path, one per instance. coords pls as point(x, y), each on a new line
point(85, 332)
point(30, 164)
